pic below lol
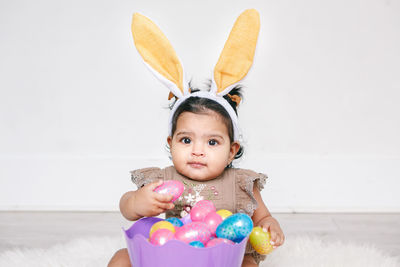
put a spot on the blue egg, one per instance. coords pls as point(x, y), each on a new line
point(175, 221)
point(196, 244)
point(235, 227)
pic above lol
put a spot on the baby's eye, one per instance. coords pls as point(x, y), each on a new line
point(185, 140)
point(213, 142)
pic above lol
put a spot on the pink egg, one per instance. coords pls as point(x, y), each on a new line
point(212, 220)
point(201, 209)
point(204, 203)
point(171, 187)
point(161, 225)
point(194, 231)
point(161, 236)
point(217, 241)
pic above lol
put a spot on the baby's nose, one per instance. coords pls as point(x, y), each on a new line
point(198, 150)
point(198, 153)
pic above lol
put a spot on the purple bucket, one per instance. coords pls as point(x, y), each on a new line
point(177, 253)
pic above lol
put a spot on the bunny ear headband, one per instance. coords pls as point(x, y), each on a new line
point(233, 64)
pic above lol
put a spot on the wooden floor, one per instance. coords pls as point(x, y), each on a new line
point(44, 229)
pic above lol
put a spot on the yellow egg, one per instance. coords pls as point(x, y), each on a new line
point(224, 213)
point(260, 240)
point(162, 225)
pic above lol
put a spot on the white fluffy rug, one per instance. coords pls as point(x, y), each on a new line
point(297, 252)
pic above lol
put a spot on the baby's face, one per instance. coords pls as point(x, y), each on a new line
point(200, 146)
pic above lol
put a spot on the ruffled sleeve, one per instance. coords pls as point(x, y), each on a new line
point(246, 203)
point(144, 176)
point(245, 180)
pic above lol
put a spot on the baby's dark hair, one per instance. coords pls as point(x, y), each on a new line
point(201, 105)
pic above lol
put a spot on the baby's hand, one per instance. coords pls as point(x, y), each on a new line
point(149, 203)
point(271, 224)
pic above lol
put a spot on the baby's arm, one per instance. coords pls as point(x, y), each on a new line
point(144, 202)
point(262, 217)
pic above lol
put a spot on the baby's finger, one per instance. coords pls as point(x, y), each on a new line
point(155, 184)
point(154, 210)
point(166, 206)
point(273, 237)
point(277, 242)
point(280, 239)
point(265, 228)
point(158, 211)
point(163, 197)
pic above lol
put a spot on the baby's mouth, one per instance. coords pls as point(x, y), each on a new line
point(196, 165)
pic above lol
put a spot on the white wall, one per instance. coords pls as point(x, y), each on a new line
point(78, 109)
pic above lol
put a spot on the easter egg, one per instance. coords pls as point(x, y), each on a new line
point(194, 231)
point(175, 221)
point(144, 224)
point(161, 225)
point(235, 227)
point(212, 220)
point(161, 236)
point(196, 244)
point(224, 213)
point(204, 203)
point(217, 241)
point(186, 219)
point(171, 187)
point(260, 240)
point(201, 209)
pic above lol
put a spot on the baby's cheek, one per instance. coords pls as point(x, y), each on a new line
point(180, 167)
point(218, 168)
point(177, 160)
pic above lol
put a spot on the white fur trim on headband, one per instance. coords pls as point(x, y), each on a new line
point(170, 85)
point(214, 88)
point(220, 100)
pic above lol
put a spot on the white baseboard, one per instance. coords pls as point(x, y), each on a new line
point(272, 209)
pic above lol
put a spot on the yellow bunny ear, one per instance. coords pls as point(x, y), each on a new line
point(237, 56)
point(158, 54)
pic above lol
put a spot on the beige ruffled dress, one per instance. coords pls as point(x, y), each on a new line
point(232, 190)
